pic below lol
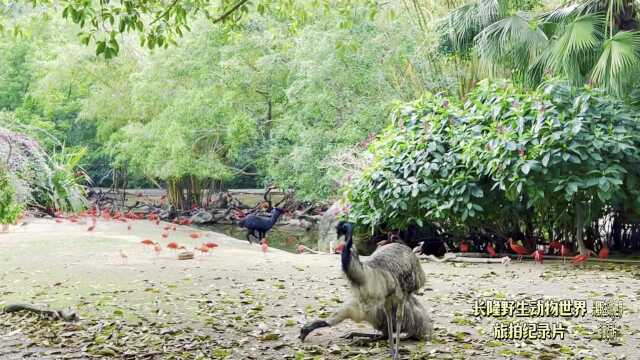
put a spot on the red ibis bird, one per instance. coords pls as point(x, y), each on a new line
point(579, 259)
point(538, 256)
point(464, 247)
point(211, 245)
point(157, 249)
point(264, 246)
point(147, 242)
point(520, 250)
point(203, 249)
point(603, 253)
point(300, 249)
point(172, 246)
point(564, 251)
point(194, 235)
point(93, 224)
point(491, 250)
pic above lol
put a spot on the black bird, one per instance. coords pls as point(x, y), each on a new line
point(260, 224)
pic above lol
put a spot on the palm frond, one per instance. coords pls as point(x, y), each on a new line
point(461, 25)
point(573, 9)
point(578, 41)
point(515, 40)
point(618, 61)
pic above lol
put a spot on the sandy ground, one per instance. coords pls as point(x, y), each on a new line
point(240, 303)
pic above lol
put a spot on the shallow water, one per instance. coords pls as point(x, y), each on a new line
point(280, 237)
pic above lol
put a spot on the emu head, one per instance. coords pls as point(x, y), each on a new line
point(343, 228)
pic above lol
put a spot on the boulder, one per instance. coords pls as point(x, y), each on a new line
point(201, 217)
point(327, 226)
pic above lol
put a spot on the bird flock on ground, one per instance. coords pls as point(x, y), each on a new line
point(92, 216)
point(538, 254)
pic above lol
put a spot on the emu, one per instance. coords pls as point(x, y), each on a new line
point(416, 324)
point(384, 281)
point(260, 224)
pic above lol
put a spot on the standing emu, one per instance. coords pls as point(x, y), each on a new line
point(260, 224)
point(384, 281)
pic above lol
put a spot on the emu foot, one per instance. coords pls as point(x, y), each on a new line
point(393, 353)
point(363, 339)
point(353, 335)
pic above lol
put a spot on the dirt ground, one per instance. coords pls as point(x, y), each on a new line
point(241, 303)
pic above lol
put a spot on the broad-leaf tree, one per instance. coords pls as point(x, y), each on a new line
point(160, 23)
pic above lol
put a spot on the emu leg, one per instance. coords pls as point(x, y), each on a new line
point(399, 318)
point(388, 314)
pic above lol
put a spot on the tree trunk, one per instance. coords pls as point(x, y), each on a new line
point(579, 230)
point(175, 193)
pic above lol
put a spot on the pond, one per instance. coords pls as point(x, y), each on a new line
point(280, 237)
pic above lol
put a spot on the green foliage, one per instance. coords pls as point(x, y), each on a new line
point(503, 160)
point(159, 24)
point(582, 41)
point(15, 74)
point(259, 98)
point(64, 187)
point(9, 208)
point(270, 98)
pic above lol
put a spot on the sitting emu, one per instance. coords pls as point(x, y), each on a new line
point(384, 281)
point(260, 224)
point(415, 322)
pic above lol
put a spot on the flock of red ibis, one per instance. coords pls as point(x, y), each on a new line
point(129, 217)
point(538, 255)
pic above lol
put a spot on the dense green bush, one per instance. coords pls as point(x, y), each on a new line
point(38, 179)
point(9, 208)
point(546, 162)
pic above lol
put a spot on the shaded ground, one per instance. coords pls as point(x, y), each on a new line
point(239, 303)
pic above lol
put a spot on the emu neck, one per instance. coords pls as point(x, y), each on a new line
point(351, 264)
point(346, 252)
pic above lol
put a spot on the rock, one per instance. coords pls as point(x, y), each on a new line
point(327, 226)
point(201, 217)
point(186, 255)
